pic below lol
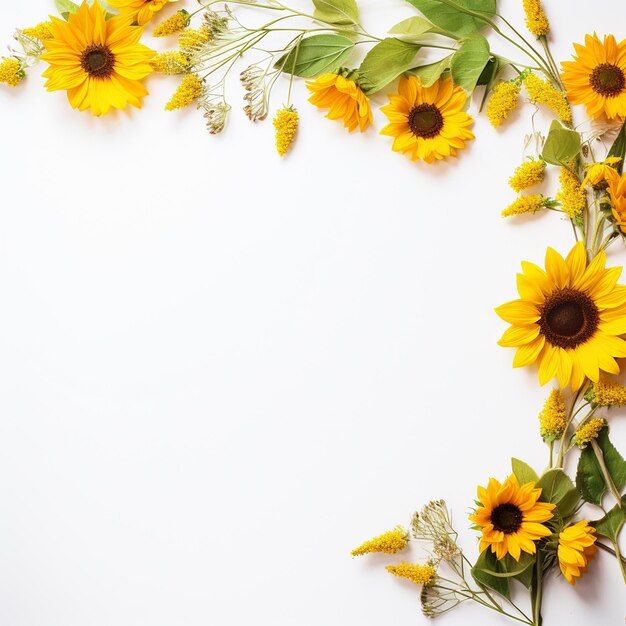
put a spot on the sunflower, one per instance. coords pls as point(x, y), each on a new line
point(99, 62)
point(617, 194)
point(344, 98)
point(511, 517)
point(597, 76)
point(569, 318)
point(427, 122)
point(140, 11)
point(576, 548)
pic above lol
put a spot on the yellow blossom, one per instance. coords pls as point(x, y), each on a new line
point(11, 72)
point(576, 548)
point(525, 204)
point(190, 38)
point(608, 393)
point(419, 574)
point(170, 63)
point(389, 543)
point(42, 31)
point(543, 92)
point(502, 102)
point(527, 174)
point(189, 90)
point(571, 195)
point(605, 171)
point(286, 125)
point(536, 20)
point(552, 420)
point(589, 430)
point(172, 24)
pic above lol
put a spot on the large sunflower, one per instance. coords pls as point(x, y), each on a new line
point(140, 11)
point(99, 62)
point(569, 318)
point(511, 517)
point(597, 76)
point(427, 122)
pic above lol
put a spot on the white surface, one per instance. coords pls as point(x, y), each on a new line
point(220, 371)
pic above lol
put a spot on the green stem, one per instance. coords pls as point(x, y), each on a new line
point(536, 591)
point(616, 553)
point(605, 472)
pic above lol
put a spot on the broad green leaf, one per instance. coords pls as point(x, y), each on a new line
point(485, 563)
point(589, 478)
point(556, 487)
point(431, 73)
point(316, 55)
point(469, 61)
point(385, 62)
point(450, 15)
point(618, 149)
point(65, 7)
point(562, 144)
point(523, 472)
point(611, 524)
point(340, 12)
point(413, 27)
point(490, 71)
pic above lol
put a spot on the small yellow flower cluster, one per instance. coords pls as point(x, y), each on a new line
point(11, 72)
point(525, 204)
point(286, 125)
point(571, 195)
point(589, 431)
point(171, 63)
point(552, 420)
point(527, 175)
point(503, 100)
point(189, 90)
point(190, 38)
point(608, 393)
point(388, 543)
point(543, 92)
point(536, 20)
point(172, 24)
point(419, 574)
point(42, 31)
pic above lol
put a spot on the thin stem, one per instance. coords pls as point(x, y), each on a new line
point(605, 472)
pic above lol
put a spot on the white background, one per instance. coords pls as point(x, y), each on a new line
point(220, 371)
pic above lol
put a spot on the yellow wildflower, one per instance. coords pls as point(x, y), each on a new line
point(576, 548)
point(11, 72)
point(190, 89)
point(527, 174)
point(419, 574)
point(608, 393)
point(389, 543)
point(589, 430)
point(543, 92)
point(170, 63)
point(190, 38)
point(571, 195)
point(172, 24)
point(42, 31)
point(536, 20)
point(525, 204)
point(286, 125)
point(598, 173)
point(502, 102)
point(552, 420)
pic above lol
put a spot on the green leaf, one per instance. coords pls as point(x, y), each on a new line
point(413, 27)
point(508, 567)
point(485, 564)
point(611, 524)
point(469, 61)
point(489, 72)
point(65, 7)
point(450, 16)
point(589, 478)
point(561, 146)
point(618, 149)
point(557, 487)
point(385, 62)
point(431, 73)
point(523, 472)
point(316, 55)
point(340, 12)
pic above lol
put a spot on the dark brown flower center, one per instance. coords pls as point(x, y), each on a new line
point(607, 80)
point(506, 518)
point(98, 61)
point(425, 120)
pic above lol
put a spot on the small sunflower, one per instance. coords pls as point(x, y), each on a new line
point(576, 548)
point(427, 122)
point(597, 76)
point(617, 194)
point(140, 11)
point(99, 62)
point(568, 319)
point(344, 98)
point(511, 517)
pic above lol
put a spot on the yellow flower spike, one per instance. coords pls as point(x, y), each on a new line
point(576, 548)
point(598, 173)
point(617, 195)
point(286, 125)
point(526, 204)
point(597, 77)
point(543, 92)
point(427, 123)
point(189, 90)
point(552, 420)
point(503, 101)
point(11, 72)
point(172, 24)
point(571, 195)
point(536, 20)
point(139, 11)
point(419, 574)
point(569, 319)
point(388, 543)
point(344, 99)
point(190, 38)
point(589, 430)
point(511, 517)
point(527, 175)
point(608, 393)
point(42, 31)
point(171, 63)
